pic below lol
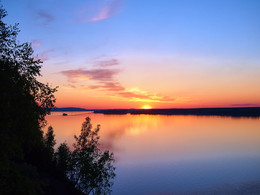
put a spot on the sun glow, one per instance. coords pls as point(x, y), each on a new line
point(146, 107)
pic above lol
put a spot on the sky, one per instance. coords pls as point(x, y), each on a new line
point(132, 53)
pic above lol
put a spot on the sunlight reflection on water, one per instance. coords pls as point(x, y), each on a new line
point(157, 154)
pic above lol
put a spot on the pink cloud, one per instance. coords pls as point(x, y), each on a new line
point(108, 86)
point(103, 80)
point(113, 86)
point(35, 43)
point(109, 10)
point(107, 63)
point(101, 11)
point(106, 12)
point(44, 56)
point(93, 74)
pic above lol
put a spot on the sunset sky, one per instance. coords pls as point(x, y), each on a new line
point(131, 53)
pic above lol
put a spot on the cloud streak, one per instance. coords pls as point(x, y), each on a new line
point(143, 96)
point(45, 17)
point(105, 81)
point(107, 63)
point(36, 43)
point(108, 10)
point(44, 56)
point(102, 11)
point(93, 74)
point(108, 86)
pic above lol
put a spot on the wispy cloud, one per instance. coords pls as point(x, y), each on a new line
point(107, 63)
point(137, 95)
point(45, 17)
point(108, 10)
point(44, 56)
point(93, 74)
point(36, 43)
point(108, 86)
point(102, 11)
point(104, 81)
point(129, 94)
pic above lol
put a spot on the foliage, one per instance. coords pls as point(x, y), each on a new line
point(63, 158)
point(24, 102)
point(49, 142)
point(28, 162)
point(90, 169)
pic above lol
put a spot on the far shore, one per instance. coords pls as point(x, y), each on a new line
point(234, 112)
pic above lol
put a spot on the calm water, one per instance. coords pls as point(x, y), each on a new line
point(157, 154)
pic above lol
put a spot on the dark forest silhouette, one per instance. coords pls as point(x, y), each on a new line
point(28, 162)
point(232, 112)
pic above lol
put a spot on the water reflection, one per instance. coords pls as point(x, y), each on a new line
point(166, 154)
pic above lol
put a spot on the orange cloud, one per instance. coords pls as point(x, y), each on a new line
point(103, 80)
point(143, 96)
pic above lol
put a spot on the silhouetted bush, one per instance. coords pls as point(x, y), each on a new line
point(87, 167)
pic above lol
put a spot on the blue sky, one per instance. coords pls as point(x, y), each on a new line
point(228, 27)
point(172, 41)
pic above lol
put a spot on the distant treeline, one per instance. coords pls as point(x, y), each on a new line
point(235, 112)
point(69, 109)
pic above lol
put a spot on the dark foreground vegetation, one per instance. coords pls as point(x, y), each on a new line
point(29, 164)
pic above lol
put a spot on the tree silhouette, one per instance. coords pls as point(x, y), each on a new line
point(90, 169)
point(63, 158)
point(28, 162)
point(24, 102)
point(50, 142)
